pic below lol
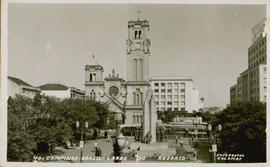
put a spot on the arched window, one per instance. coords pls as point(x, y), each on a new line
point(140, 33)
point(134, 98)
point(138, 99)
point(134, 119)
point(141, 95)
point(113, 90)
point(94, 77)
point(91, 77)
point(138, 119)
point(136, 34)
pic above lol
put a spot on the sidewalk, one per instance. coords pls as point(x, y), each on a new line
point(88, 150)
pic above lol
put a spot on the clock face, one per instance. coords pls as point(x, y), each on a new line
point(137, 46)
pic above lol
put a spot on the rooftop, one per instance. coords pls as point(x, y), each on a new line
point(52, 86)
point(143, 23)
point(19, 81)
point(172, 78)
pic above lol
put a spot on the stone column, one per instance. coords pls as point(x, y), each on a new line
point(149, 116)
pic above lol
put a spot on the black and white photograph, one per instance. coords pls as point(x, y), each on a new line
point(127, 82)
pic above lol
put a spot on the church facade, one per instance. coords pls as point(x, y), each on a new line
point(124, 97)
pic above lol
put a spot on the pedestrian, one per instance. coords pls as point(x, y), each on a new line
point(176, 138)
point(95, 145)
point(181, 143)
point(195, 154)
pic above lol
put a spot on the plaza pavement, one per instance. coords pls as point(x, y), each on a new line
point(107, 150)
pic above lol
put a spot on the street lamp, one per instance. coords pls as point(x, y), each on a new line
point(81, 142)
point(118, 146)
point(196, 131)
point(209, 127)
point(215, 139)
point(219, 128)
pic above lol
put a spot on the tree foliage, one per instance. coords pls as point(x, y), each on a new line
point(243, 130)
point(37, 125)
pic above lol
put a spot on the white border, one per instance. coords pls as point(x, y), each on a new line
point(3, 85)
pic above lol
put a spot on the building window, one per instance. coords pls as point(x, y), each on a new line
point(182, 97)
point(113, 90)
point(175, 109)
point(156, 84)
point(175, 103)
point(182, 85)
point(169, 90)
point(134, 98)
point(156, 90)
point(141, 98)
point(136, 34)
point(169, 109)
point(182, 103)
point(182, 109)
point(157, 102)
point(182, 90)
point(137, 99)
point(162, 96)
point(175, 90)
point(169, 102)
point(175, 96)
point(90, 79)
point(162, 90)
point(162, 84)
point(134, 119)
point(169, 97)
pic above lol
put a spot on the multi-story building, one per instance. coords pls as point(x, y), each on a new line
point(61, 91)
point(18, 86)
point(251, 84)
point(175, 94)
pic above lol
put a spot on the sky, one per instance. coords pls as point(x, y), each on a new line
point(51, 43)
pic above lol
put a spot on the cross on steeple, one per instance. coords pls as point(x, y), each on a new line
point(93, 60)
point(138, 12)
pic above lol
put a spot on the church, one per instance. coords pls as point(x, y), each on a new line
point(124, 97)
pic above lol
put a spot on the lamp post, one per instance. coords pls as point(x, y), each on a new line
point(81, 142)
point(215, 139)
point(118, 146)
point(196, 130)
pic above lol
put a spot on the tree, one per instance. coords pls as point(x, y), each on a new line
point(36, 126)
point(49, 125)
point(20, 142)
point(243, 130)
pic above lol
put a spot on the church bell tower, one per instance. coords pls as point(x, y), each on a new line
point(138, 52)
